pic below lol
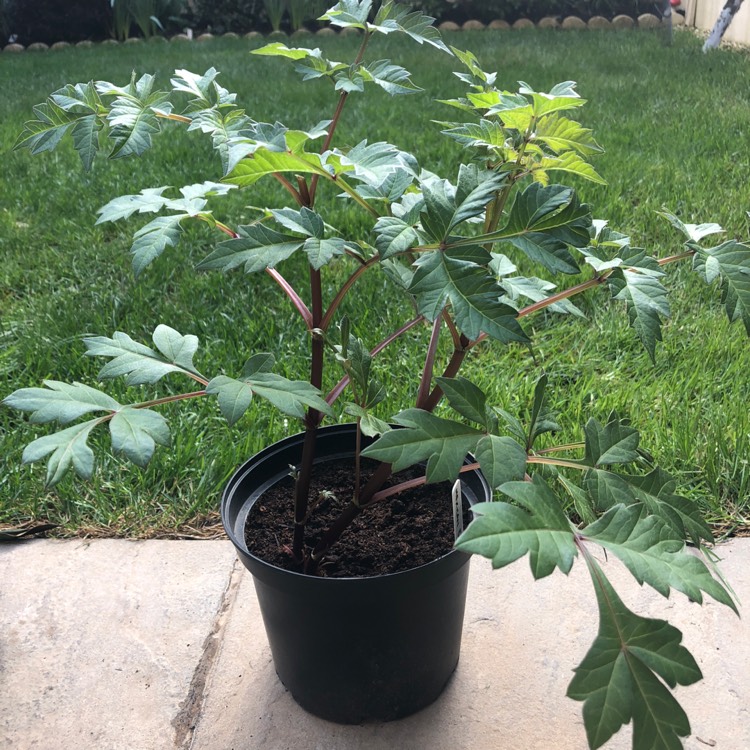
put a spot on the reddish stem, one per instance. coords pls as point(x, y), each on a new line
point(429, 364)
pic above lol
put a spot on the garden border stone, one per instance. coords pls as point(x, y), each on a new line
point(595, 23)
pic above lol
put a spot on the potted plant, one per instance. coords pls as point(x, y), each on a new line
point(466, 252)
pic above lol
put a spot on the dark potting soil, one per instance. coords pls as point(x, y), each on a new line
point(404, 531)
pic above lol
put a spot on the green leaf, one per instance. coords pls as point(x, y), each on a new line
point(258, 248)
point(562, 134)
point(263, 162)
point(140, 364)
point(503, 533)
point(394, 236)
point(465, 398)
point(731, 262)
point(370, 162)
point(289, 396)
point(60, 402)
point(654, 554)
point(618, 679)
point(561, 97)
point(543, 222)
point(231, 133)
point(150, 241)
point(501, 459)
point(150, 200)
point(570, 162)
point(454, 277)
point(205, 90)
point(395, 17)
point(542, 419)
point(393, 79)
point(349, 13)
point(613, 443)
point(656, 490)
point(443, 443)
point(68, 448)
point(234, 396)
point(304, 221)
point(135, 433)
point(132, 118)
point(320, 252)
point(536, 290)
point(368, 424)
point(692, 232)
point(277, 49)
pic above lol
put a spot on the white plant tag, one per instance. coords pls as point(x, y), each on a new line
point(458, 509)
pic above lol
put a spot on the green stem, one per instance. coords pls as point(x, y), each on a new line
point(558, 462)
point(349, 190)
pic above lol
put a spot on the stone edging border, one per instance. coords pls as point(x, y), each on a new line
point(644, 21)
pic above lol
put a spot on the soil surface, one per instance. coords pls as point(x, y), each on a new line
point(399, 533)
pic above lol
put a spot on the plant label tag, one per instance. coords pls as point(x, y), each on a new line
point(458, 509)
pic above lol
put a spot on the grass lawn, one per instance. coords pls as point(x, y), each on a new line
point(676, 128)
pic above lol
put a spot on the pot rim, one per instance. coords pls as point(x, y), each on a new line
point(234, 482)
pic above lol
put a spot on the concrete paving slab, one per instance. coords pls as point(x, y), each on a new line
point(160, 646)
point(521, 641)
point(103, 643)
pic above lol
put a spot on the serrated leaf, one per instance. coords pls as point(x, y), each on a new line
point(656, 490)
point(349, 13)
point(692, 232)
point(503, 533)
point(277, 49)
point(320, 252)
point(205, 90)
point(135, 433)
point(370, 162)
point(543, 222)
point(393, 79)
point(612, 443)
point(654, 553)
point(454, 277)
point(304, 221)
point(561, 97)
point(536, 290)
point(617, 679)
point(394, 236)
point(150, 200)
point(68, 448)
point(570, 162)
point(140, 364)
point(259, 247)
point(151, 240)
point(263, 162)
point(646, 300)
point(394, 17)
point(730, 261)
point(61, 402)
point(562, 134)
point(443, 443)
point(132, 118)
point(501, 459)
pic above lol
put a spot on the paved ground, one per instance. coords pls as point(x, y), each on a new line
point(122, 645)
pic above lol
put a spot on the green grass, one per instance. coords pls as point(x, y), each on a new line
point(675, 127)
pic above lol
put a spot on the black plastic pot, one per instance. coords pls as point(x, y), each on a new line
point(353, 649)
